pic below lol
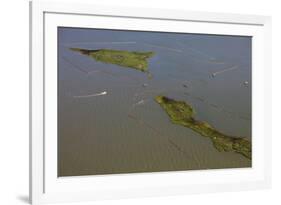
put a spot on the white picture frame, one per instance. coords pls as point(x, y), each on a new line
point(46, 187)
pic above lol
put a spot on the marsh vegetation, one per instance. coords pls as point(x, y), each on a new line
point(182, 113)
point(130, 59)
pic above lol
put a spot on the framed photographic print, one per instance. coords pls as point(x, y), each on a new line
point(129, 102)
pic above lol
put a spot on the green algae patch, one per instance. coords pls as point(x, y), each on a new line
point(131, 59)
point(182, 113)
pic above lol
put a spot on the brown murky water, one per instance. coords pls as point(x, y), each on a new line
point(125, 131)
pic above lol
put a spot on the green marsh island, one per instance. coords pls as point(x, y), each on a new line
point(131, 59)
point(182, 113)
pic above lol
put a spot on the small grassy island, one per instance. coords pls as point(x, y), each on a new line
point(182, 113)
point(131, 59)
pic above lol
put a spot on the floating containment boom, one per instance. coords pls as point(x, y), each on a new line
point(182, 113)
point(131, 59)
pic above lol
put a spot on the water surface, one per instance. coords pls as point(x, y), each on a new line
point(126, 131)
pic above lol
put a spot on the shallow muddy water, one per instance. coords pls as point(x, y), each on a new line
point(109, 123)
